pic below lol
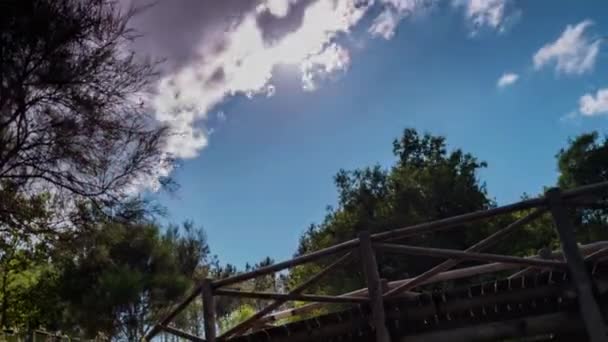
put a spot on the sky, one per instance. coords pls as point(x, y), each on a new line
point(270, 98)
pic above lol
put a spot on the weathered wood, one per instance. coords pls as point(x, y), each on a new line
point(597, 255)
point(290, 296)
point(286, 264)
point(374, 286)
point(460, 273)
point(181, 334)
point(589, 308)
point(584, 190)
point(243, 326)
point(172, 313)
point(479, 246)
point(454, 221)
point(208, 310)
point(533, 326)
point(396, 233)
point(456, 254)
point(458, 220)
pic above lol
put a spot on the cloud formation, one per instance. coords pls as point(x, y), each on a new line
point(385, 24)
point(573, 53)
point(496, 15)
point(594, 104)
point(507, 79)
point(217, 49)
point(244, 65)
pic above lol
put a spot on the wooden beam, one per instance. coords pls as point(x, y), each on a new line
point(374, 286)
point(460, 273)
point(589, 308)
point(458, 220)
point(597, 255)
point(249, 322)
point(181, 333)
point(286, 264)
point(479, 246)
point(456, 254)
point(208, 310)
point(584, 190)
point(172, 313)
point(396, 233)
point(290, 296)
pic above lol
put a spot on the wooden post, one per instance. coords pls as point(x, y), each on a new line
point(208, 310)
point(588, 306)
point(374, 287)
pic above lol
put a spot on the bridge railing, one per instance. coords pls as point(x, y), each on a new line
point(365, 245)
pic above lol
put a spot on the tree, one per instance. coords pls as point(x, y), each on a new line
point(122, 276)
point(71, 121)
point(585, 161)
point(426, 183)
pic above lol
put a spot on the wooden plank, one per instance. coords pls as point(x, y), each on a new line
point(457, 220)
point(172, 313)
point(208, 310)
point(249, 322)
point(456, 254)
point(286, 264)
point(460, 273)
point(497, 331)
point(585, 189)
point(181, 334)
point(396, 233)
point(290, 296)
point(589, 308)
point(374, 286)
point(479, 246)
point(399, 232)
point(597, 255)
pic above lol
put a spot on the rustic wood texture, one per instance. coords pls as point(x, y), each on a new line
point(479, 246)
point(572, 196)
point(457, 254)
point(243, 326)
point(589, 309)
point(208, 310)
point(374, 286)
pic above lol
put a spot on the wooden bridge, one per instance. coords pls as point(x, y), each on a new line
point(559, 294)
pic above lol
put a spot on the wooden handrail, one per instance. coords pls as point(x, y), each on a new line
point(422, 228)
point(457, 254)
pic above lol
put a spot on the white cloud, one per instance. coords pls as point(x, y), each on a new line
point(486, 12)
point(245, 66)
point(278, 8)
point(574, 52)
point(232, 48)
point(492, 14)
point(507, 79)
point(385, 24)
point(594, 104)
point(333, 58)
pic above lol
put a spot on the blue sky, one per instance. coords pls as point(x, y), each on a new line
point(264, 171)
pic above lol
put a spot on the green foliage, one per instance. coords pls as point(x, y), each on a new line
point(585, 161)
point(425, 183)
point(238, 315)
point(118, 275)
point(116, 279)
point(130, 273)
